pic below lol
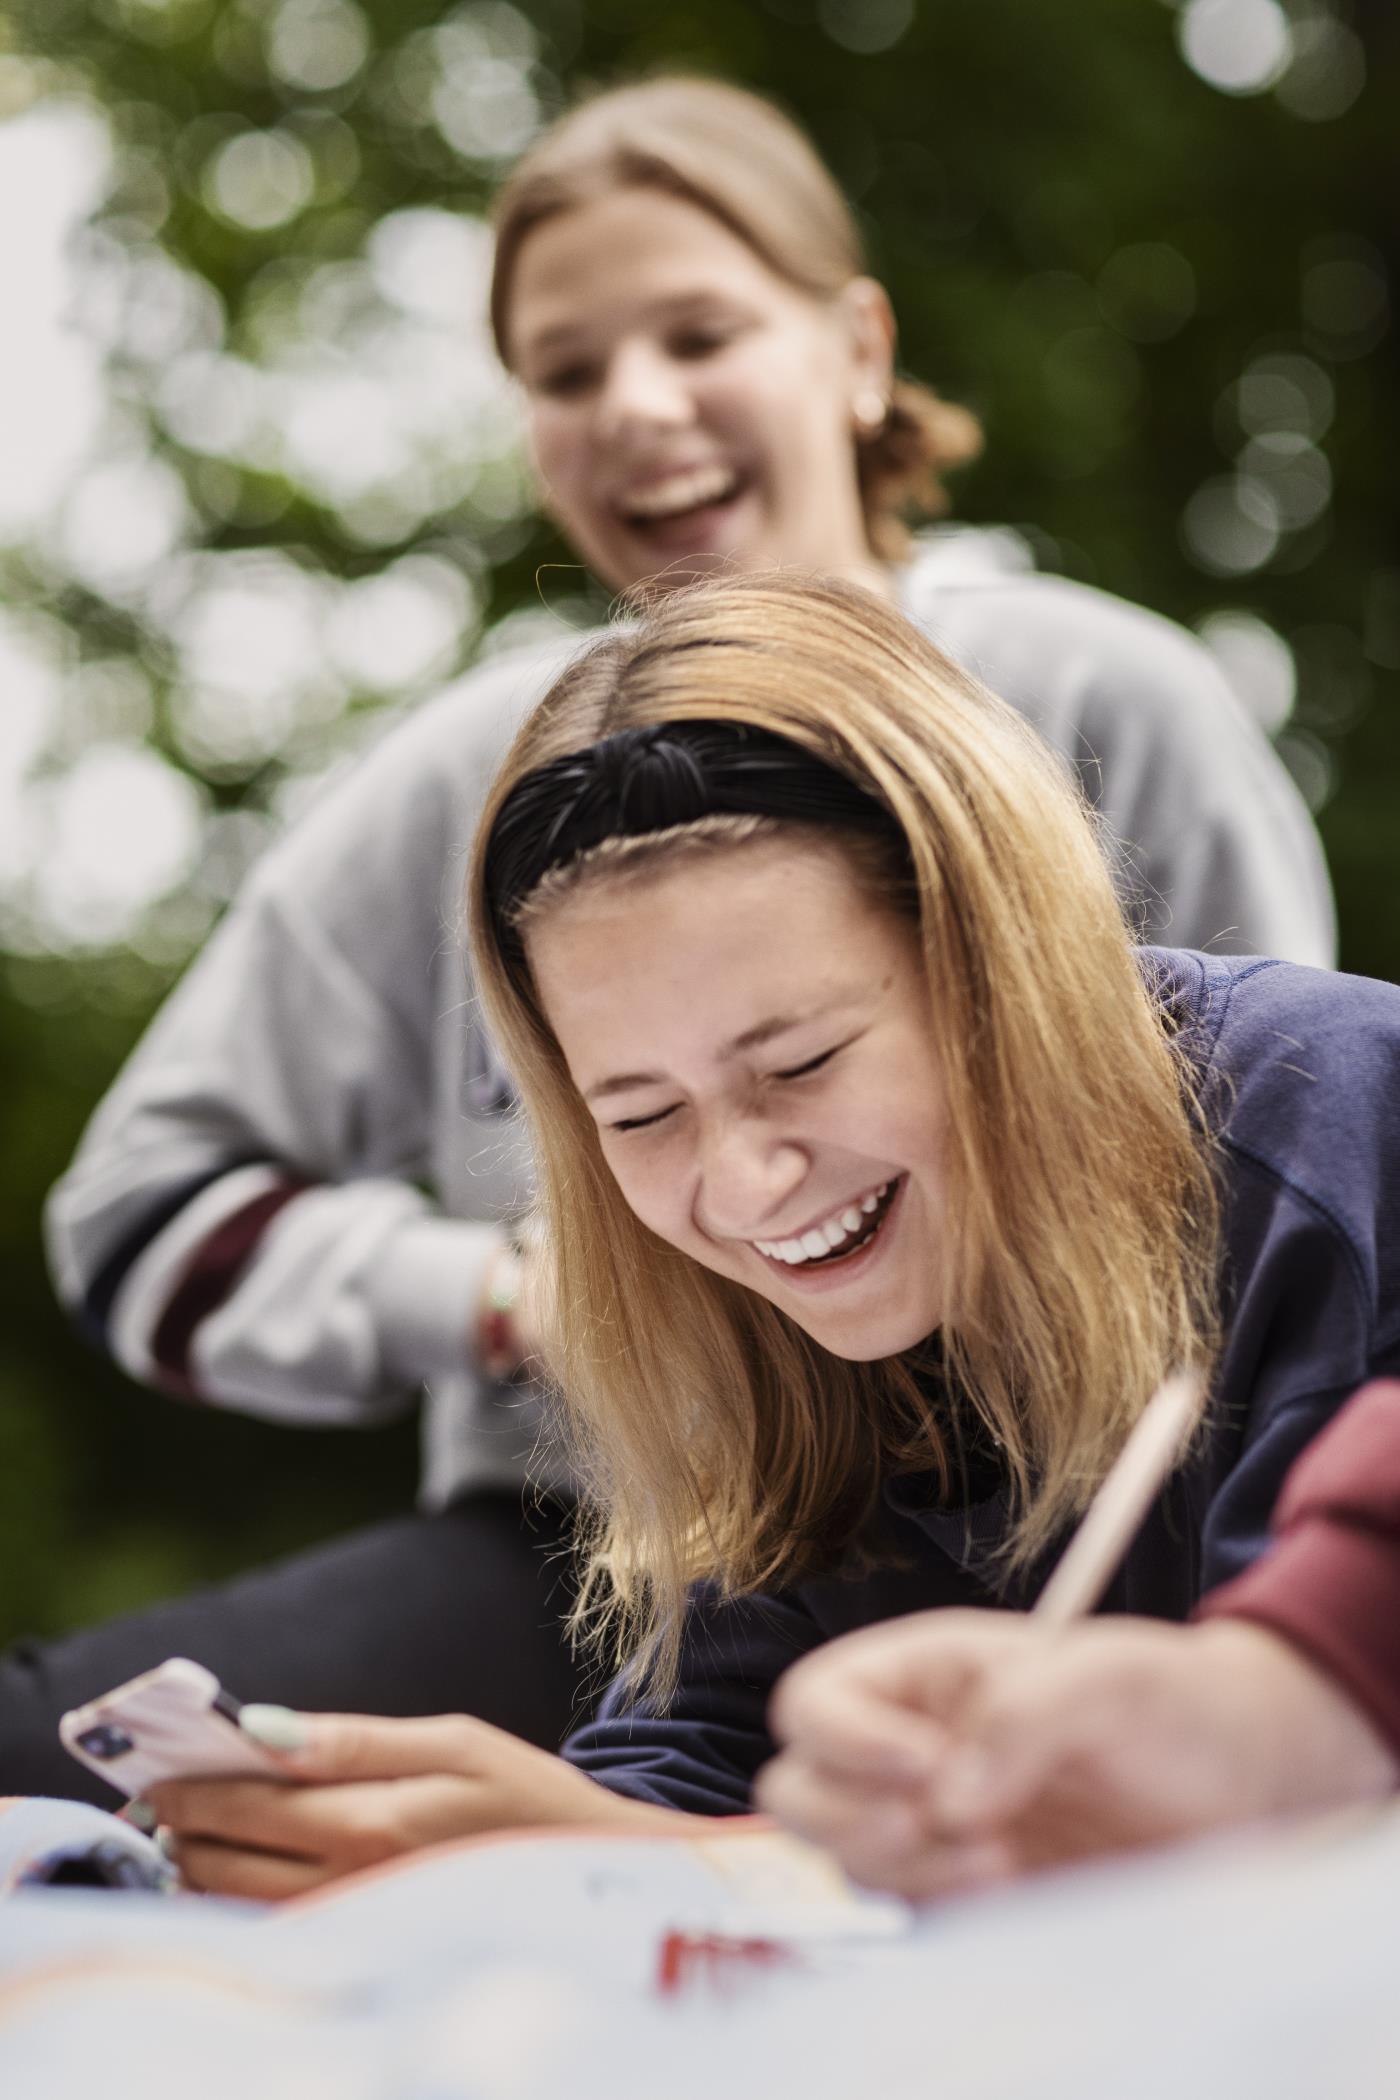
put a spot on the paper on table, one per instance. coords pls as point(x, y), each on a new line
point(522, 1968)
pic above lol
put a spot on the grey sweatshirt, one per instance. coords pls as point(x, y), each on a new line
point(288, 1200)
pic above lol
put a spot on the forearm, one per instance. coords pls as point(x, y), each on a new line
point(626, 1813)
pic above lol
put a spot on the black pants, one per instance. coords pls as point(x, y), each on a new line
point(457, 1612)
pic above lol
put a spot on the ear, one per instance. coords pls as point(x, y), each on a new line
point(870, 319)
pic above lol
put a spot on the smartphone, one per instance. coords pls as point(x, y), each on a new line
point(176, 1722)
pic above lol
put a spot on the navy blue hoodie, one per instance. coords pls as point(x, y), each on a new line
point(1302, 1078)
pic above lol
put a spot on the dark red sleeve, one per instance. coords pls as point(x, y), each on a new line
point(1331, 1581)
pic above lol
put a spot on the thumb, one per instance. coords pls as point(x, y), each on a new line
point(337, 1747)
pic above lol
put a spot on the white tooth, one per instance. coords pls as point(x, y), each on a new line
point(681, 492)
point(790, 1250)
point(851, 1218)
point(869, 1203)
point(813, 1243)
point(833, 1232)
point(764, 1247)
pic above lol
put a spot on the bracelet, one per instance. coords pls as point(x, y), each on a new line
point(497, 1340)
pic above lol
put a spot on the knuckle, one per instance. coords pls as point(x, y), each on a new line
point(372, 1833)
point(468, 1734)
point(342, 1746)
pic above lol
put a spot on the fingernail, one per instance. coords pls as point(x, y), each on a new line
point(275, 1727)
point(169, 1844)
point(139, 1814)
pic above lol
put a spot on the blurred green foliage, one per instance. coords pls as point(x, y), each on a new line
point(1113, 260)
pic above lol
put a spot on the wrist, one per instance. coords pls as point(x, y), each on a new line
point(614, 1811)
point(1304, 1743)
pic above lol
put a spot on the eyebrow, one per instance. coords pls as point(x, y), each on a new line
point(751, 1039)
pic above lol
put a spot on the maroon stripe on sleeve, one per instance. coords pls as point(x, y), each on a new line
point(208, 1280)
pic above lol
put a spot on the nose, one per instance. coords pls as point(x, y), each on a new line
point(643, 388)
point(749, 1175)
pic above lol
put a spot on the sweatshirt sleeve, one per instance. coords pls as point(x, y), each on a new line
point(703, 1752)
point(1330, 1583)
point(251, 1217)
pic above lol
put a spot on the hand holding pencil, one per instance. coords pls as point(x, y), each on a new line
point(953, 1748)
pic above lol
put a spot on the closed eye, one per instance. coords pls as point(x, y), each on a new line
point(565, 380)
point(813, 1064)
point(695, 343)
point(643, 1122)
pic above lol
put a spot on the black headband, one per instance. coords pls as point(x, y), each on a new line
point(650, 779)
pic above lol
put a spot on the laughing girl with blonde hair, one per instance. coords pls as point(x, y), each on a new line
point(881, 1180)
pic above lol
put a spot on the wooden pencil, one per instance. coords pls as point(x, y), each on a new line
point(1124, 1496)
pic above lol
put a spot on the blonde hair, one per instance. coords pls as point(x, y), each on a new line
point(719, 1441)
point(734, 155)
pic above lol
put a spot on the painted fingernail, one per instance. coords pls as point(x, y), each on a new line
point(139, 1814)
point(275, 1727)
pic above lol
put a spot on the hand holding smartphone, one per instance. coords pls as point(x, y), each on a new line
point(175, 1722)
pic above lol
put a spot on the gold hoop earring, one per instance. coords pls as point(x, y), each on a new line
point(870, 412)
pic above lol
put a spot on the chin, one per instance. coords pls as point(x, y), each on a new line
point(868, 1345)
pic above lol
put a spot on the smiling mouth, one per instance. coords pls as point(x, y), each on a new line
point(679, 496)
point(847, 1232)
